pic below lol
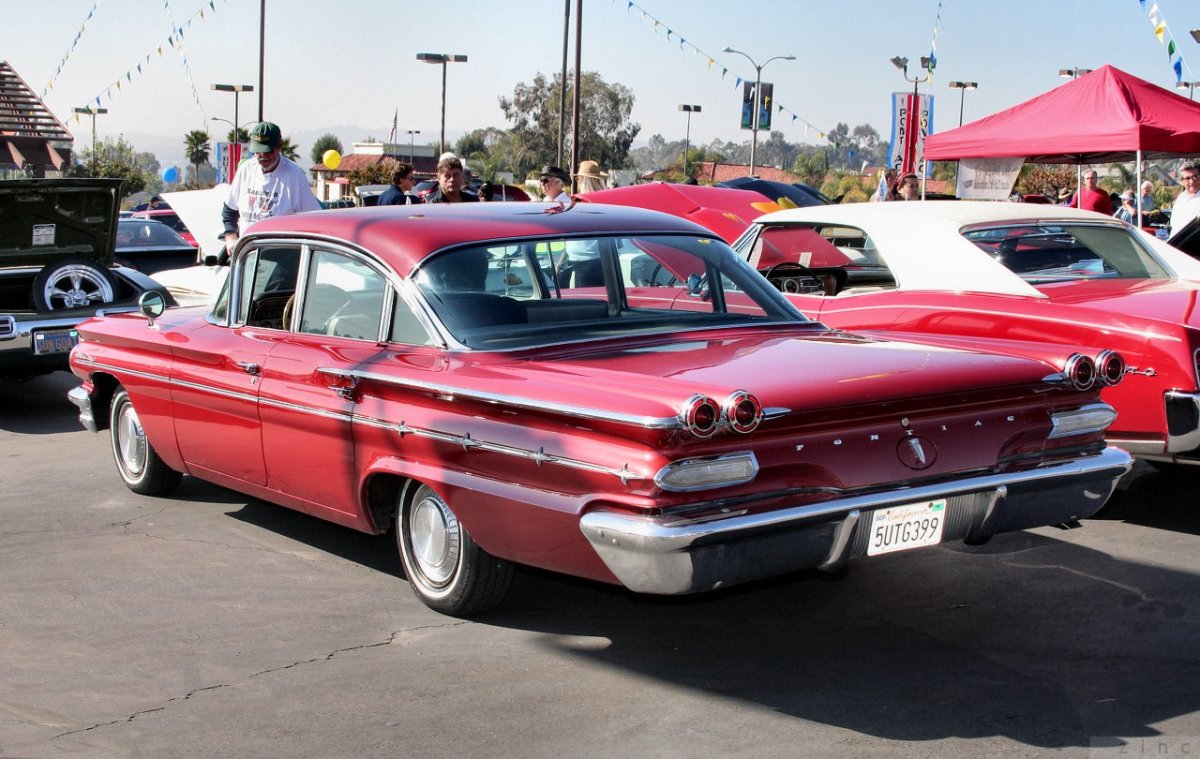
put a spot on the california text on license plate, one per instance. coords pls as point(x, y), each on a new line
point(909, 526)
point(53, 341)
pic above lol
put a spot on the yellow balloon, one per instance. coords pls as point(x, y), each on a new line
point(332, 159)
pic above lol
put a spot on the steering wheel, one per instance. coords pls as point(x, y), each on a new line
point(784, 276)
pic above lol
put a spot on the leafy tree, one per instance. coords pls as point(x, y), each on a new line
point(117, 158)
point(324, 143)
point(606, 133)
point(379, 173)
point(1046, 178)
point(196, 150)
point(242, 136)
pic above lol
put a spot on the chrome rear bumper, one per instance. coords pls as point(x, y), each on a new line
point(672, 555)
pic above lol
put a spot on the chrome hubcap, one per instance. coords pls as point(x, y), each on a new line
point(77, 286)
point(433, 530)
point(131, 442)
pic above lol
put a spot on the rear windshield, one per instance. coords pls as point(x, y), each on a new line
point(1051, 252)
point(549, 291)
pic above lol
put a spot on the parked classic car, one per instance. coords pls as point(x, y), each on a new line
point(56, 268)
point(451, 373)
point(1010, 277)
point(151, 246)
point(169, 217)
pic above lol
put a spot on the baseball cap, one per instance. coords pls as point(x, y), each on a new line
point(264, 137)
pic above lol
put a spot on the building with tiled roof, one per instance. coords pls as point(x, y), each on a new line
point(32, 140)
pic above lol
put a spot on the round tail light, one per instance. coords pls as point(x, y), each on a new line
point(1110, 367)
point(1080, 371)
point(701, 416)
point(742, 411)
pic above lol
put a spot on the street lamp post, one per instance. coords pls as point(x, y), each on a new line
point(1073, 73)
point(411, 132)
point(1190, 87)
point(756, 105)
point(962, 88)
point(687, 135)
point(443, 59)
point(93, 112)
point(230, 123)
point(237, 90)
point(927, 64)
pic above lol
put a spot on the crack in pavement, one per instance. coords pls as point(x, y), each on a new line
point(180, 699)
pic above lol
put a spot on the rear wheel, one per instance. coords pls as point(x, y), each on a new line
point(445, 567)
point(137, 462)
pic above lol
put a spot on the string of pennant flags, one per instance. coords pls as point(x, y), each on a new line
point(187, 69)
point(712, 61)
point(58, 69)
point(174, 41)
point(937, 22)
point(1159, 22)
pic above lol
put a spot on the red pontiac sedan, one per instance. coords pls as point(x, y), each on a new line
point(605, 392)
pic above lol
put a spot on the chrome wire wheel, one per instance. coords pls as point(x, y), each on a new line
point(436, 540)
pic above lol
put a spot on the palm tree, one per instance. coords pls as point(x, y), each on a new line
point(196, 149)
point(288, 149)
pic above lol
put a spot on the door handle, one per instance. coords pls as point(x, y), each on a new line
point(249, 367)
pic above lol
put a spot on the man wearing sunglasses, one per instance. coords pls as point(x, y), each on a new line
point(554, 182)
point(1187, 205)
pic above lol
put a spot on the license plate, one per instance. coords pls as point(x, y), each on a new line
point(54, 341)
point(910, 526)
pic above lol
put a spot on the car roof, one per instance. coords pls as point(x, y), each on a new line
point(922, 243)
point(404, 235)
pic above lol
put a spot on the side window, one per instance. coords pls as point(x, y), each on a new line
point(267, 285)
point(344, 297)
point(406, 328)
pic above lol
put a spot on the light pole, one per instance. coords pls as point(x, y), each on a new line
point(411, 132)
point(443, 59)
point(237, 90)
point(687, 136)
point(910, 162)
point(1073, 73)
point(757, 100)
point(962, 88)
point(93, 112)
point(1190, 87)
point(235, 134)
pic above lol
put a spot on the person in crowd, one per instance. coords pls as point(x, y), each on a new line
point(888, 184)
point(1187, 204)
point(451, 183)
point(1064, 196)
point(589, 177)
point(1091, 197)
point(909, 188)
point(400, 193)
point(154, 204)
point(1148, 203)
point(270, 185)
point(554, 181)
point(1128, 210)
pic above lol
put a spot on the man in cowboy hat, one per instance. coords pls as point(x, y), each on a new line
point(590, 176)
point(554, 180)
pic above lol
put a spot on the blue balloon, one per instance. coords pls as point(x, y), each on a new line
point(170, 174)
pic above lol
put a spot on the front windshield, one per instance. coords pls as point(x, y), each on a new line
point(548, 291)
point(1050, 252)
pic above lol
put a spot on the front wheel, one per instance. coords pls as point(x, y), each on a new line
point(445, 567)
point(137, 462)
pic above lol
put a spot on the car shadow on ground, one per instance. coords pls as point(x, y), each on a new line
point(1031, 637)
point(39, 406)
point(1167, 499)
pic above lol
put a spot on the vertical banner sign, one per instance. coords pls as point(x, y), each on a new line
point(912, 117)
point(747, 105)
point(766, 99)
point(228, 156)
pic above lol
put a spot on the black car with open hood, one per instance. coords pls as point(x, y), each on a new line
point(57, 268)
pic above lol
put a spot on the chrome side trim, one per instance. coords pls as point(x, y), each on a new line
point(648, 422)
point(466, 440)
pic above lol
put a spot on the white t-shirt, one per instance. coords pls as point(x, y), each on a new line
point(562, 198)
point(1186, 208)
point(256, 196)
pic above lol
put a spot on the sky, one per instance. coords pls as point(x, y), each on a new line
point(350, 67)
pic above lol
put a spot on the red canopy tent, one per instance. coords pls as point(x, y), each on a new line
point(1101, 117)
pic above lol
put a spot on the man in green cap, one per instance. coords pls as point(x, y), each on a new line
point(270, 185)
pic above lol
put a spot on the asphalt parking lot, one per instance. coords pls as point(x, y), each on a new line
point(209, 624)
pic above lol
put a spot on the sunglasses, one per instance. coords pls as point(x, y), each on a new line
point(544, 180)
